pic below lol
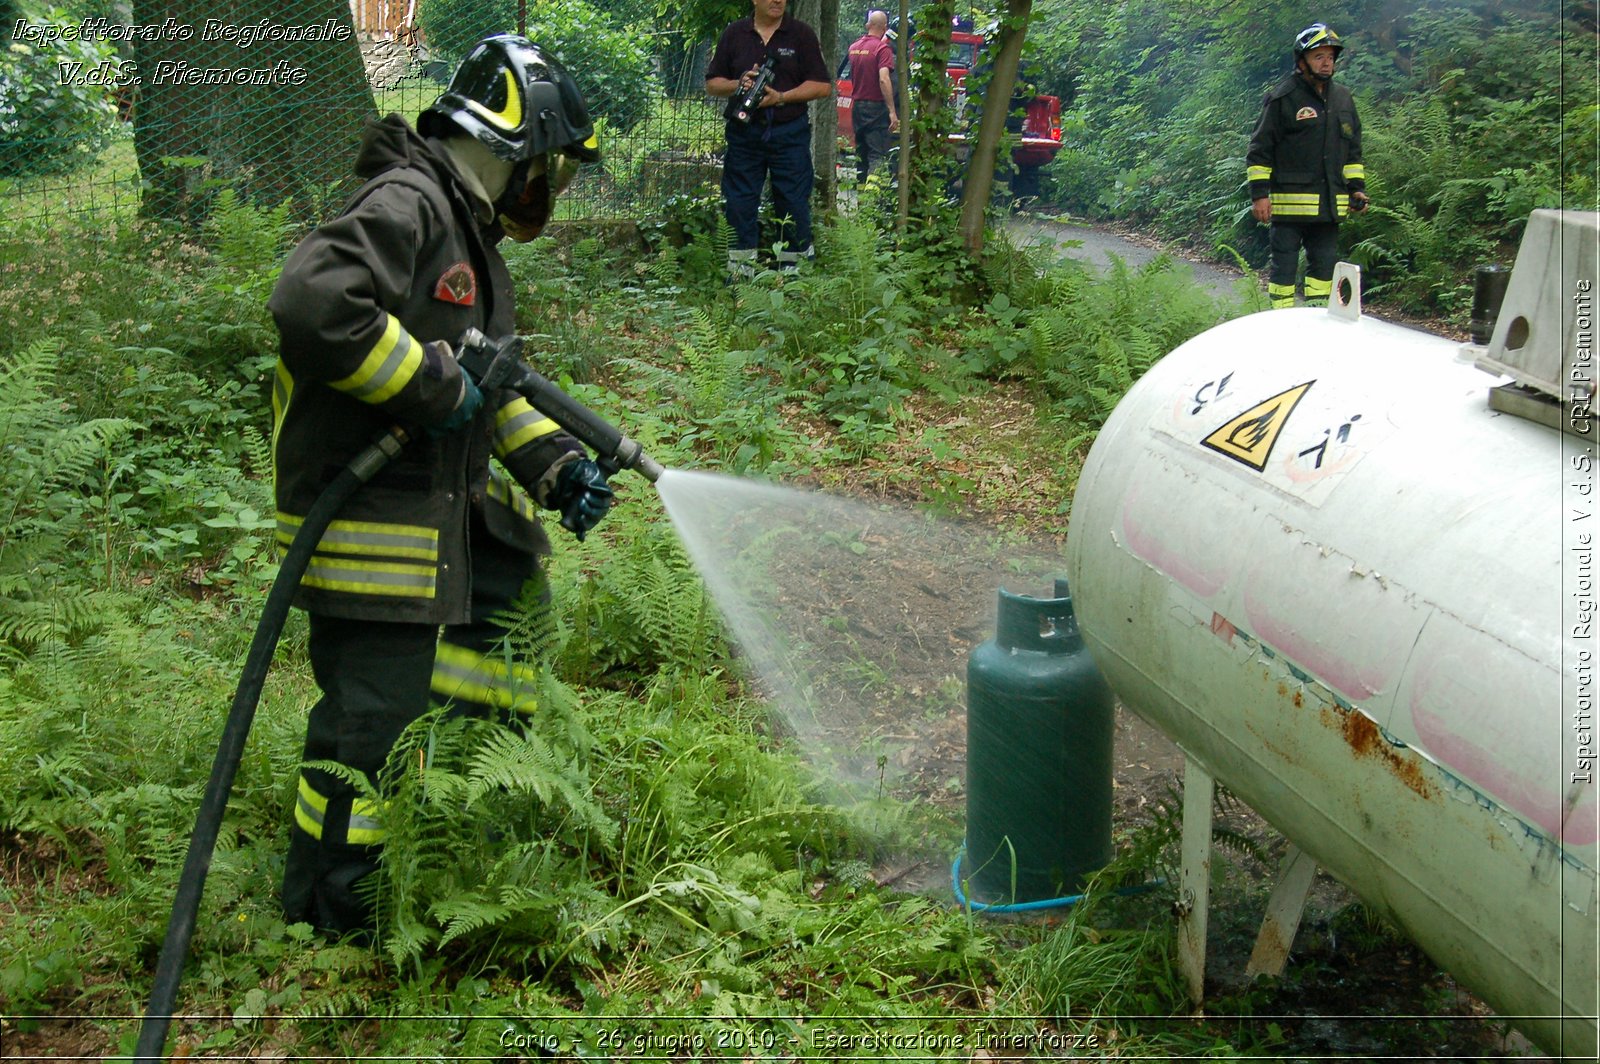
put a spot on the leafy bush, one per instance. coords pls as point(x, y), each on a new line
point(187, 489)
point(48, 122)
point(609, 64)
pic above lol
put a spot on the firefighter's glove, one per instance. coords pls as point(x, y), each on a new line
point(466, 409)
point(582, 495)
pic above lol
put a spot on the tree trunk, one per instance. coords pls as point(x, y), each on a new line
point(305, 143)
point(170, 118)
point(902, 64)
point(285, 127)
point(825, 113)
point(979, 183)
point(928, 169)
point(933, 87)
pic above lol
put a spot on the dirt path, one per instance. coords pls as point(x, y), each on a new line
point(1096, 243)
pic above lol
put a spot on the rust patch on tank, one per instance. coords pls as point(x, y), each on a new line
point(1362, 735)
point(1361, 732)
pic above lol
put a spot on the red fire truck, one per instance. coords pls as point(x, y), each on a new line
point(1039, 125)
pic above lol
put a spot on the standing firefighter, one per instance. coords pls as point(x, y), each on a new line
point(368, 310)
point(1304, 167)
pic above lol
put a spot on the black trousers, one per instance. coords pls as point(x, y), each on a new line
point(1321, 243)
point(376, 678)
point(870, 121)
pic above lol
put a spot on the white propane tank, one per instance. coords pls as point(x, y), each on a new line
point(1306, 548)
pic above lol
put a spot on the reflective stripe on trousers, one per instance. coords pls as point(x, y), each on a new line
point(468, 679)
point(363, 826)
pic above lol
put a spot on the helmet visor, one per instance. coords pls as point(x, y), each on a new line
point(529, 206)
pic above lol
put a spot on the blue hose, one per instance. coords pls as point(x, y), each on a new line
point(1028, 906)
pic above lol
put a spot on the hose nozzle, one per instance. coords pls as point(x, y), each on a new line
point(499, 364)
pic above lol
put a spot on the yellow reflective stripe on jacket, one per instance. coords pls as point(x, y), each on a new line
point(282, 389)
point(502, 490)
point(1258, 173)
point(388, 367)
point(1308, 204)
point(459, 673)
point(371, 578)
point(282, 392)
point(518, 424)
point(311, 813)
point(372, 538)
point(1355, 172)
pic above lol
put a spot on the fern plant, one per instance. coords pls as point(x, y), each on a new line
point(480, 817)
point(247, 237)
point(50, 466)
point(1096, 336)
point(644, 611)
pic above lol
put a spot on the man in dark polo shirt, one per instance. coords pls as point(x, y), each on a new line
point(872, 114)
point(777, 141)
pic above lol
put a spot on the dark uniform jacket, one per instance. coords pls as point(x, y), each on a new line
point(1306, 152)
point(406, 263)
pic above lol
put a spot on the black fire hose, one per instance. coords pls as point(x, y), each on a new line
point(208, 822)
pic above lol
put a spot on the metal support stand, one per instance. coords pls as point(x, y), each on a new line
point(1284, 909)
point(1344, 302)
point(1194, 879)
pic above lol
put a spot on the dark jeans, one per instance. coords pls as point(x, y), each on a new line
point(756, 151)
point(870, 119)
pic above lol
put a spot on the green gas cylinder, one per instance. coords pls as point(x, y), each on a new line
point(1039, 727)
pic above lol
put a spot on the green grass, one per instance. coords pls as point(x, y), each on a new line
point(102, 191)
point(664, 156)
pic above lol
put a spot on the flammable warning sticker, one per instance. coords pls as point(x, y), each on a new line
point(1250, 437)
point(1302, 437)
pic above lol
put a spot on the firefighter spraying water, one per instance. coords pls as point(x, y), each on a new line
point(404, 543)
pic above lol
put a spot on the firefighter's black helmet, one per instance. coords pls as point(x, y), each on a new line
point(517, 99)
point(1316, 35)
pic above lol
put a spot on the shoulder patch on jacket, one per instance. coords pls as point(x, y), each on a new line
point(1305, 113)
point(458, 285)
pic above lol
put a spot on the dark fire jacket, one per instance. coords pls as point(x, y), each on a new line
point(1306, 152)
point(404, 264)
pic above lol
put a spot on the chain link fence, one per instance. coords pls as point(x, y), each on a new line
point(106, 117)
